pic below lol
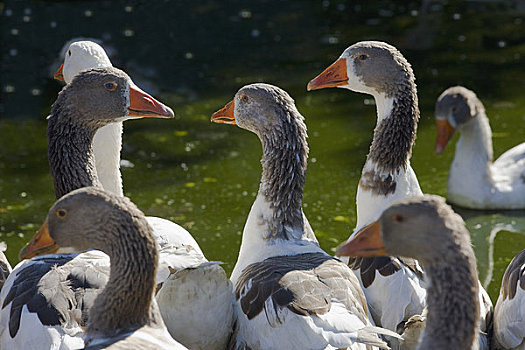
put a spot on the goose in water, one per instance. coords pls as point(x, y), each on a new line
point(509, 313)
point(45, 300)
point(124, 315)
point(427, 229)
point(394, 286)
point(194, 291)
point(5, 267)
point(474, 180)
point(290, 294)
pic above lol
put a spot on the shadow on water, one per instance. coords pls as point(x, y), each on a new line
point(195, 55)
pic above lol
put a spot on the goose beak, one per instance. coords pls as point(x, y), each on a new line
point(444, 133)
point(41, 243)
point(143, 105)
point(59, 75)
point(225, 114)
point(367, 242)
point(335, 75)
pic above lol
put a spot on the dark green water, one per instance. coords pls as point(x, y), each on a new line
point(194, 55)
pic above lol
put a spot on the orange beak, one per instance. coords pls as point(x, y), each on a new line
point(335, 75)
point(367, 242)
point(444, 133)
point(225, 115)
point(41, 243)
point(143, 105)
point(59, 75)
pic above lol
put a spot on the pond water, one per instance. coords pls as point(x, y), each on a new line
point(195, 55)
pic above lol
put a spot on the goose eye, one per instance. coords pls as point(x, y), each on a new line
point(363, 57)
point(69, 52)
point(454, 109)
point(244, 98)
point(61, 213)
point(110, 86)
point(399, 218)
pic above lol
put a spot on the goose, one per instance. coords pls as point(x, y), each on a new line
point(427, 229)
point(509, 312)
point(5, 267)
point(394, 286)
point(289, 293)
point(45, 300)
point(474, 180)
point(194, 291)
point(124, 315)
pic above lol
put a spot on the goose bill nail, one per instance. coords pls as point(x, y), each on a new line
point(41, 243)
point(367, 243)
point(444, 133)
point(59, 74)
point(225, 115)
point(142, 104)
point(333, 76)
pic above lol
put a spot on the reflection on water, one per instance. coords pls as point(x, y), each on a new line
point(195, 55)
point(491, 233)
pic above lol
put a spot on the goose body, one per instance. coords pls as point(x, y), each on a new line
point(509, 313)
point(193, 291)
point(49, 297)
point(427, 229)
point(476, 181)
point(394, 287)
point(289, 292)
point(124, 315)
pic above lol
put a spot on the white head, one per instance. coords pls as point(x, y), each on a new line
point(80, 56)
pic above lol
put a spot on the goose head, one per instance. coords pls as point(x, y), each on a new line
point(81, 55)
point(371, 67)
point(415, 227)
point(455, 107)
point(103, 95)
point(264, 109)
point(83, 219)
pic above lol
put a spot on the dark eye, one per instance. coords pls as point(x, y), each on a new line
point(61, 213)
point(454, 109)
point(244, 98)
point(110, 86)
point(69, 52)
point(399, 218)
point(362, 57)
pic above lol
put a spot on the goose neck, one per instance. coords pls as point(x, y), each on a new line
point(126, 302)
point(107, 145)
point(70, 154)
point(475, 142)
point(452, 299)
point(284, 164)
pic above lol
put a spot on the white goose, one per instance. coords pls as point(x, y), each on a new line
point(5, 267)
point(290, 293)
point(474, 180)
point(509, 313)
point(394, 286)
point(194, 291)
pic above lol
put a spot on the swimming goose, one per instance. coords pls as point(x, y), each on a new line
point(474, 180)
point(290, 294)
point(5, 267)
point(509, 313)
point(124, 315)
point(427, 229)
point(45, 300)
point(394, 287)
point(194, 291)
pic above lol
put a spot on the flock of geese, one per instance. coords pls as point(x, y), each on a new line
point(99, 274)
